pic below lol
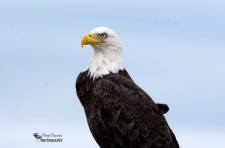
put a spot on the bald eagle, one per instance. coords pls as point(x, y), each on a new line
point(119, 113)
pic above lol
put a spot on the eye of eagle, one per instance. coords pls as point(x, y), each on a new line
point(103, 35)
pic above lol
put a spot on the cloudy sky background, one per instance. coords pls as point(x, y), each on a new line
point(174, 50)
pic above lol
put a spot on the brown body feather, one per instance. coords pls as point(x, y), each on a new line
point(121, 115)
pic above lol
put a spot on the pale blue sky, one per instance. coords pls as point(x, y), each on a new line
point(174, 50)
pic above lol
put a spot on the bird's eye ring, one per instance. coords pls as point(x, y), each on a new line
point(103, 35)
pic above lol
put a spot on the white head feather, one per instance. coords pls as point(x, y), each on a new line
point(107, 56)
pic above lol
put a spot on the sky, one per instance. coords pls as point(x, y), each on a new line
point(174, 50)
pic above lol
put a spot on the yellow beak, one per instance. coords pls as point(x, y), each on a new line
point(89, 38)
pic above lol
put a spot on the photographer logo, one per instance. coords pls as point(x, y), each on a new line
point(52, 137)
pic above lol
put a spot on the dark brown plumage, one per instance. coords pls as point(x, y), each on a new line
point(121, 115)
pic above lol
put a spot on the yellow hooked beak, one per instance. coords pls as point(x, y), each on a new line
point(89, 38)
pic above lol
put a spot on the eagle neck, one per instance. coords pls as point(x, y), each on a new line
point(105, 61)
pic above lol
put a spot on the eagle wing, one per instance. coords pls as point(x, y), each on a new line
point(129, 115)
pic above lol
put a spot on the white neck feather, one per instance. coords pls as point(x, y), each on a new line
point(105, 60)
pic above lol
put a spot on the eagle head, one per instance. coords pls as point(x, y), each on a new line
point(107, 51)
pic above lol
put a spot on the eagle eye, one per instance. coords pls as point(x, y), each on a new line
point(103, 35)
